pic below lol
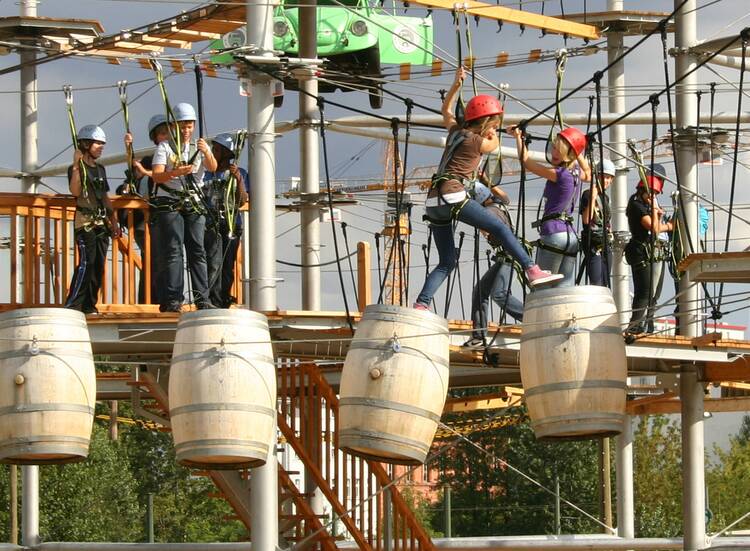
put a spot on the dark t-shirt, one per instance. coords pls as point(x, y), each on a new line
point(94, 187)
point(464, 161)
point(598, 220)
point(635, 211)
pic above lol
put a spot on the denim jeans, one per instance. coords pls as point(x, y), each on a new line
point(174, 230)
point(557, 262)
point(92, 248)
point(494, 283)
point(598, 267)
point(476, 216)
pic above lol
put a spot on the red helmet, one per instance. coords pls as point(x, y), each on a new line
point(652, 182)
point(575, 138)
point(482, 106)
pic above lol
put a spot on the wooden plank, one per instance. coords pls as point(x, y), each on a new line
point(712, 405)
point(549, 24)
point(705, 340)
point(404, 71)
point(65, 254)
point(487, 401)
point(115, 276)
point(738, 370)
point(47, 258)
point(501, 59)
point(634, 407)
point(56, 263)
point(146, 256)
point(729, 267)
point(437, 67)
point(37, 259)
point(132, 293)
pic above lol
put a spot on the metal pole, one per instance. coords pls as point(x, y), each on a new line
point(447, 511)
point(619, 188)
point(30, 505)
point(605, 483)
point(29, 114)
point(264, 501)
point(558, 525)
point(13, 504)
point(624, 473)
point(113, 411)
point(309, 155)
point(620, 270)
point(150, 518)
point(388, 524)
point(691, 390)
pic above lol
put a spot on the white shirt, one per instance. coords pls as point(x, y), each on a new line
point(165, 155)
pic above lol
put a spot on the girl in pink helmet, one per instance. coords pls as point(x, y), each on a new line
point(450, 195)
point(558, 243)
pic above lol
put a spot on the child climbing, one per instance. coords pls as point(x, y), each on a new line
point(449, 199)
point(558, 242)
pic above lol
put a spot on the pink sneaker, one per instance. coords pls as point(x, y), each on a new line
point(420, 306)
point(536, 276)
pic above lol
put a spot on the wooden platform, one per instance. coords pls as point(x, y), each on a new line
point(731, 267)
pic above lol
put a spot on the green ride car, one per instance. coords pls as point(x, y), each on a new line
point(354, 38)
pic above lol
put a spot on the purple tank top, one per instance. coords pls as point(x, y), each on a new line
point(560, 197)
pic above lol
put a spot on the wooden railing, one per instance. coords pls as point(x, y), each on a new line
point(360, 491)
point(41, 254)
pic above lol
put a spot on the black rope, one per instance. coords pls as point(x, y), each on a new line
point(745, 35)
point(321, 106)
point(715, 313)
point(297, 265)
point(377, 250)
point(602, 189)
point(349, 255)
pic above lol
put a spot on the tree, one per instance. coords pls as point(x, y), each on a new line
point(489, 497)
point(657, 462)
point(728, 481)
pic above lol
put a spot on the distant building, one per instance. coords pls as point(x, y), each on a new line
point(666, 326)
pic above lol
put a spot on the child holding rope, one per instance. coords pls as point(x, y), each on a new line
point(558, 242)
point(449, 200)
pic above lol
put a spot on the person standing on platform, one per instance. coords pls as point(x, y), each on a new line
point(558, 242)
point(449, 198)
point(94, 222)
point(645, 252)
point(222, 241)
point(180, 214)
point(594, 215)
point(496, 282)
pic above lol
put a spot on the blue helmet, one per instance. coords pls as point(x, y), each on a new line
point(225, 139)
point(605, 166)
point(481, 193)
point(155, 121)
point(92, 132)
point(184, 112)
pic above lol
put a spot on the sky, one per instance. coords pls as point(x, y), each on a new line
point(355, 158)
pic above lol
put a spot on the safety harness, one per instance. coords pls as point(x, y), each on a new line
point(564, 216)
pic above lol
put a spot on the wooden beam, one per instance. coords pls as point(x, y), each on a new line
point(731, 267)
point(364, 275)
point(635, 407)
point(711, 405)
point(705, 340)
point(738, 370)
point(496, 400)
point(549, 24)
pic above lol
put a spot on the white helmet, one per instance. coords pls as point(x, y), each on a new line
point(481, 193)
point(155, 121)
point(93, 133)
point(184, 112)
point(225, 139)
point(605, 166)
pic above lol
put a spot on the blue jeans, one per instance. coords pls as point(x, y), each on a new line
point(495, 283)
point(173, 231)
point(474, 215)
point(562, 262)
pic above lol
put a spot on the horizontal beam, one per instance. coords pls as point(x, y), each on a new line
point(713, 405)
point(519, 17)
point(738, 370)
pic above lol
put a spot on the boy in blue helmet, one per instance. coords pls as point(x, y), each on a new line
point(179, 218)
point(94, 221)
point(222, 243)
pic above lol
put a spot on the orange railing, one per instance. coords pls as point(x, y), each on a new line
point(360, 491)
point(42, 255)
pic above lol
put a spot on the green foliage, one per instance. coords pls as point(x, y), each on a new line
point(657, 463)
point(489, 497)
point(728, 481)
point(422, 510)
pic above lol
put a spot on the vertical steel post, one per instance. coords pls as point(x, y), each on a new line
point(447, 512)
point(30, 505)
point(264, 501)
point(13, 504)
point(558, 524)
point(620, 270)
point(308, 140)
point(150, 538)
point(29, 106)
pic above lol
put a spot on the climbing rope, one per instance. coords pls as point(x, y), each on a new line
point(68, 91)
point(561, 60)
point(131, 182)
point(230, 193)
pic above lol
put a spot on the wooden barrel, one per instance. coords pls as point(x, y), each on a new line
point(393, 385)
point(573, 364)
point(47, 386)
point(222, 389)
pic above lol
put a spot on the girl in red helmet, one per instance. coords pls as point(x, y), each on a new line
point(450, 197)
point(558, 242)
point(643, 253)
